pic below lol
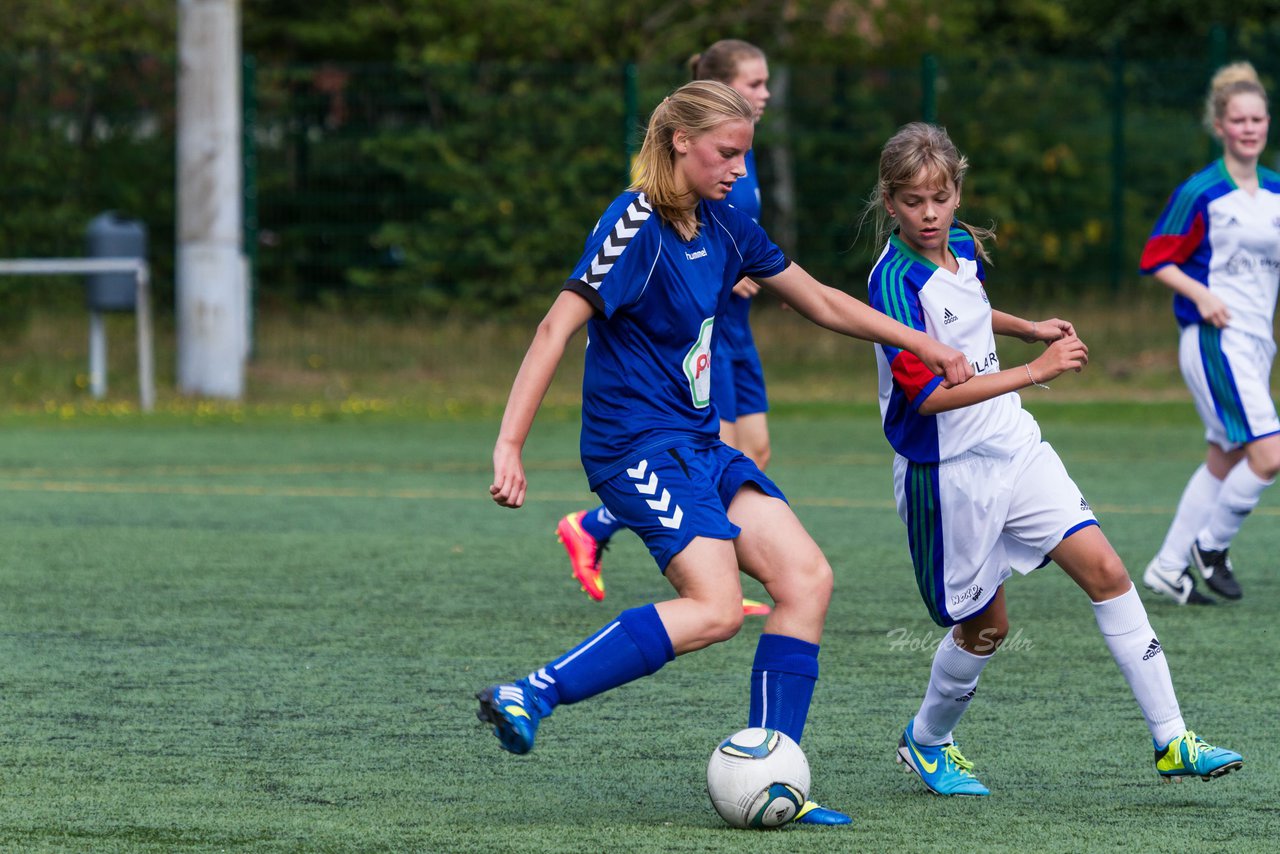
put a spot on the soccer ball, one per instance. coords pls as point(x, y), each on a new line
point(758, 778)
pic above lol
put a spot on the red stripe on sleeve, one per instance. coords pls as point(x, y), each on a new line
point(910, 374)
point(1164, 249)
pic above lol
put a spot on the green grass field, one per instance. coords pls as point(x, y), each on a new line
point(236, 632)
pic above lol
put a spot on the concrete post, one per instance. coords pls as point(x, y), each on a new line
point(211, 298)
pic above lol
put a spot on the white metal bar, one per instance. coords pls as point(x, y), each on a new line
point(97, 355)
point(68, 266)
point(97, 337)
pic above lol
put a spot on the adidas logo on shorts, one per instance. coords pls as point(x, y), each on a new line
point(1153, 650)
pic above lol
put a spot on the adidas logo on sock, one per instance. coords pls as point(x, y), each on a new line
point(1153, 650)
point(967, 697)
point(948, 317)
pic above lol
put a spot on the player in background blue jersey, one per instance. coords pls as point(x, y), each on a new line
point(1217, 247)
point(738, 379)
point(654, 277)
point(980, 492)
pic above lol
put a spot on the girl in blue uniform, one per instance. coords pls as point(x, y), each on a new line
point(738, 379)
point(981, 494)
point(655, 276)
point(1217, 247)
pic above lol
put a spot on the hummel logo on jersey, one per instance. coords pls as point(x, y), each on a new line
point(623, 230)
point(694, 256)
point(948, 317)
point(1084, 505)
point(1153, 650)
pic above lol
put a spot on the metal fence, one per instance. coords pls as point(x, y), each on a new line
point(472, 187)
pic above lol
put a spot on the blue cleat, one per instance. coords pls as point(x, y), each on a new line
point(515, 710)
point(940, 767)
point(1189, 756)
point(811, 813)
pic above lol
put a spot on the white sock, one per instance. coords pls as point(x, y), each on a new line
point(1134, 646)
point(952, 681)
point(1196, 505)
point(1241, 489)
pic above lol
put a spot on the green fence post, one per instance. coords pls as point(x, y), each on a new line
point(249, 183)
point(1117, 167)
point(630, 110)
point(929, 88)
point(1217, 59)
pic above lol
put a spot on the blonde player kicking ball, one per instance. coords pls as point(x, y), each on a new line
point(1217, 247)
point(653, 278)
point(979, 490)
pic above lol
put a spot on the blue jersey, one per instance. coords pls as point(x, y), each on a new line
point(734, 335)
point(647, 381)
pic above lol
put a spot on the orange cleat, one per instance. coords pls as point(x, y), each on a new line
point(752, 608)
point(584, 554)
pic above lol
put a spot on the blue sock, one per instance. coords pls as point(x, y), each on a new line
point(633, 645)
point(601, 524)
point(783, 677)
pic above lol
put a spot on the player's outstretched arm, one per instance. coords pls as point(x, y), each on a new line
point(1068, 353)
point(836, 310)
point(568, 314)
point(1030, 331)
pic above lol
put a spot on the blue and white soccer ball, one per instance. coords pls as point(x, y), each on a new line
point(758, 778)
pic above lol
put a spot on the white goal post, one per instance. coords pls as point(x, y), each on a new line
point(97, 328)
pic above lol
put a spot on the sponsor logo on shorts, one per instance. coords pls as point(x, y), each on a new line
point(973, 592)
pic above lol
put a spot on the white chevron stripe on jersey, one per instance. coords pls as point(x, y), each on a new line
point(623, 230)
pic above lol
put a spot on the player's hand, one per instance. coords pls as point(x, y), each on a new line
point(1068, 353)
point(509, 482)
point(746, 288)
point(1213, 309)
point(947, 362)
point(1050, 330)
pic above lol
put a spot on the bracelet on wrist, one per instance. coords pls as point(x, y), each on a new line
point(1033, 379)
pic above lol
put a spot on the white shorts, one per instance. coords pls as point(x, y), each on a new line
point(972, 520)
point(1229, 374)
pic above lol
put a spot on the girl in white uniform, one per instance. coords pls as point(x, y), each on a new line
point(1217, 247)
point(979, 491)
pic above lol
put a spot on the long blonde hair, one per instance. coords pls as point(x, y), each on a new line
point(1229, 81)
point(915, 147)
point(695, 108)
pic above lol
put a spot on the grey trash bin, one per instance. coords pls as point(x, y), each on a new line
point(111, 236)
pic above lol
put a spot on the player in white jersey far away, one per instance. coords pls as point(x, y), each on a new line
point(1217, 247)
point(737, 389)
point(653, 279)
point(980, 492)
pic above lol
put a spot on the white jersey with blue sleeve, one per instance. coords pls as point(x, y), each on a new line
point(1228, 240)
point(647, 378)
point(951, 308)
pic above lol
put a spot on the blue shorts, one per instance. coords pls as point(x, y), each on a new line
point(669, 497)
point(737, 385)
